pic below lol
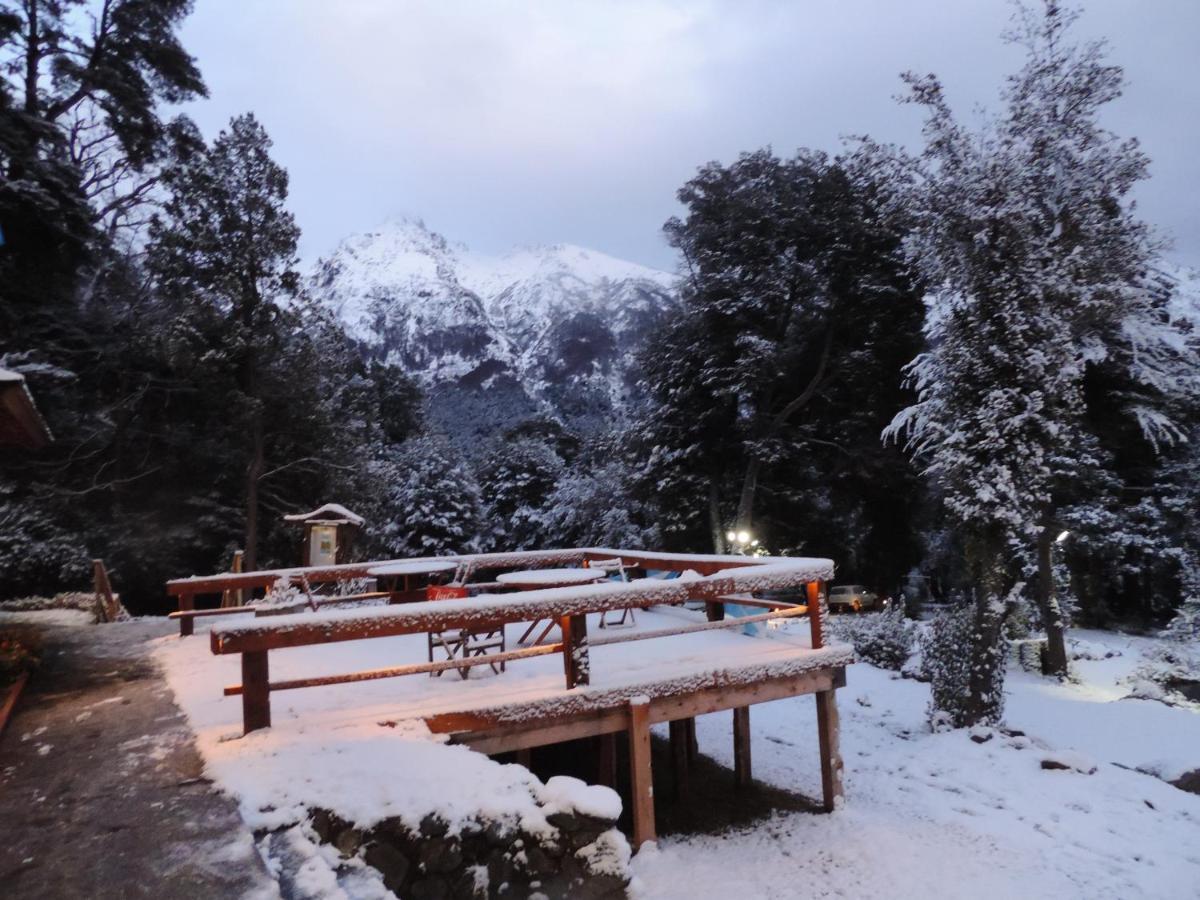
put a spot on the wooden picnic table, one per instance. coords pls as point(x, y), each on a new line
point(541, 579)
point(392, 575)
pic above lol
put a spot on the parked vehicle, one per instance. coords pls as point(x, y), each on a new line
point(854, 598)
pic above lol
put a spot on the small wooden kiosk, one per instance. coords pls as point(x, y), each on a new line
point(21, 425)
point(329, 533)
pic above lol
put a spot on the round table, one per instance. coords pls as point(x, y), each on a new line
point(540, 579)
point(393, 573)
point(393, 570)
point(536, 579)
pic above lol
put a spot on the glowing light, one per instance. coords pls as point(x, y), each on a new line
point(730, 536)
point(1062, 536)
point(743, 537)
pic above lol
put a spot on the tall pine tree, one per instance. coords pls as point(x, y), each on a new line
point(226, 245)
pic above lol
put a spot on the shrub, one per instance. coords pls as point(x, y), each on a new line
point(884, 639)
point(947, 652)
point(1173, 666)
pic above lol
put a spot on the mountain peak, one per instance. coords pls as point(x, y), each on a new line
point(558, 324)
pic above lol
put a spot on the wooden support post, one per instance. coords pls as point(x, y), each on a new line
point(105, 601)
point(256, 691)
point(679, 757)
point(641, 779)
point(575, 650)
point(187, 625)
point(816, 590)
point(714, 611)
point(606, 766)
point(693, 745)
point(233, 596)
point(741, 747)
point(831, 758)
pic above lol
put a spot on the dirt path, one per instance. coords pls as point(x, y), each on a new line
point(101, 791)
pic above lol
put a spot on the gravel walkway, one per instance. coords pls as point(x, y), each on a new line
point(101, 789)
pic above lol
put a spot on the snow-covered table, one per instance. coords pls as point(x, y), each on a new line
point(393, 573)
point(536, 579)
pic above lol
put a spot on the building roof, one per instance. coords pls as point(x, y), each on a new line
point(21, 425)
point(330, 513)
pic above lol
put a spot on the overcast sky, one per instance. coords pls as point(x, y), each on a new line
point(545, 121)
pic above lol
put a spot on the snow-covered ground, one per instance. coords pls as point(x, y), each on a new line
point(925, 815)
point(939, 815)
point(47, 617)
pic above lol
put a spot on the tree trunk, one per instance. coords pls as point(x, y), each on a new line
point(254, 472)
point(32, 58)
point(744, 521)
point(993, 605)
point(715, 526)
point(1054, 659)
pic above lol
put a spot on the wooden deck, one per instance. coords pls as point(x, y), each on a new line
point(672, 666)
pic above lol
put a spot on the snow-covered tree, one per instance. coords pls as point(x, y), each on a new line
point(1038, 271)
point(226, 243)
point(430, 503)
point(517, 480)
point(593, 506)
point(768, 391)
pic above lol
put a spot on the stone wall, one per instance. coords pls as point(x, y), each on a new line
point(571, 854)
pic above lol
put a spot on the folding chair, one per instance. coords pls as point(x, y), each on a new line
point(461, 643)
point(614, 567)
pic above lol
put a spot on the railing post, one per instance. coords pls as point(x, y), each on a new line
point(741, 746)
point(831, 757)
point(256, 691)
point(187, 624)
point(816, 590)
point(576, 665)
point(641, 778)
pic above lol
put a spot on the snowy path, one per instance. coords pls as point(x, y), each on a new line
point(941, 816)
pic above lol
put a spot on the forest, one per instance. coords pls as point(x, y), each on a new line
point(953, 369)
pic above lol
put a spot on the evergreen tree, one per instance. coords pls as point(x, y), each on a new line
point(593, 506)
point(80, 135)
point(1038, 272)
point(80, 87)
point(226, 244)
point(516, 481)
point(767, 393)
point(431, 504)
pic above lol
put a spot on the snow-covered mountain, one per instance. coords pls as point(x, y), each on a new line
point(498, 339)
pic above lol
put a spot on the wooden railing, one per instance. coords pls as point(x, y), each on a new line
point(568, 606)
point(186, 590)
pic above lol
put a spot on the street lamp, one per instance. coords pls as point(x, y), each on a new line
point(741, 541)
point(1062, 536)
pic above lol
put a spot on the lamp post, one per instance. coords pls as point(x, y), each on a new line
point(742, 541)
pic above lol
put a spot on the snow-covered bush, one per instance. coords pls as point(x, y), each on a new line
point(36, 553)
point(946, 649)
point(1174, 663)
point(1029, 652)
point(885, 639)
point(281, 594)
point(83, 601)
